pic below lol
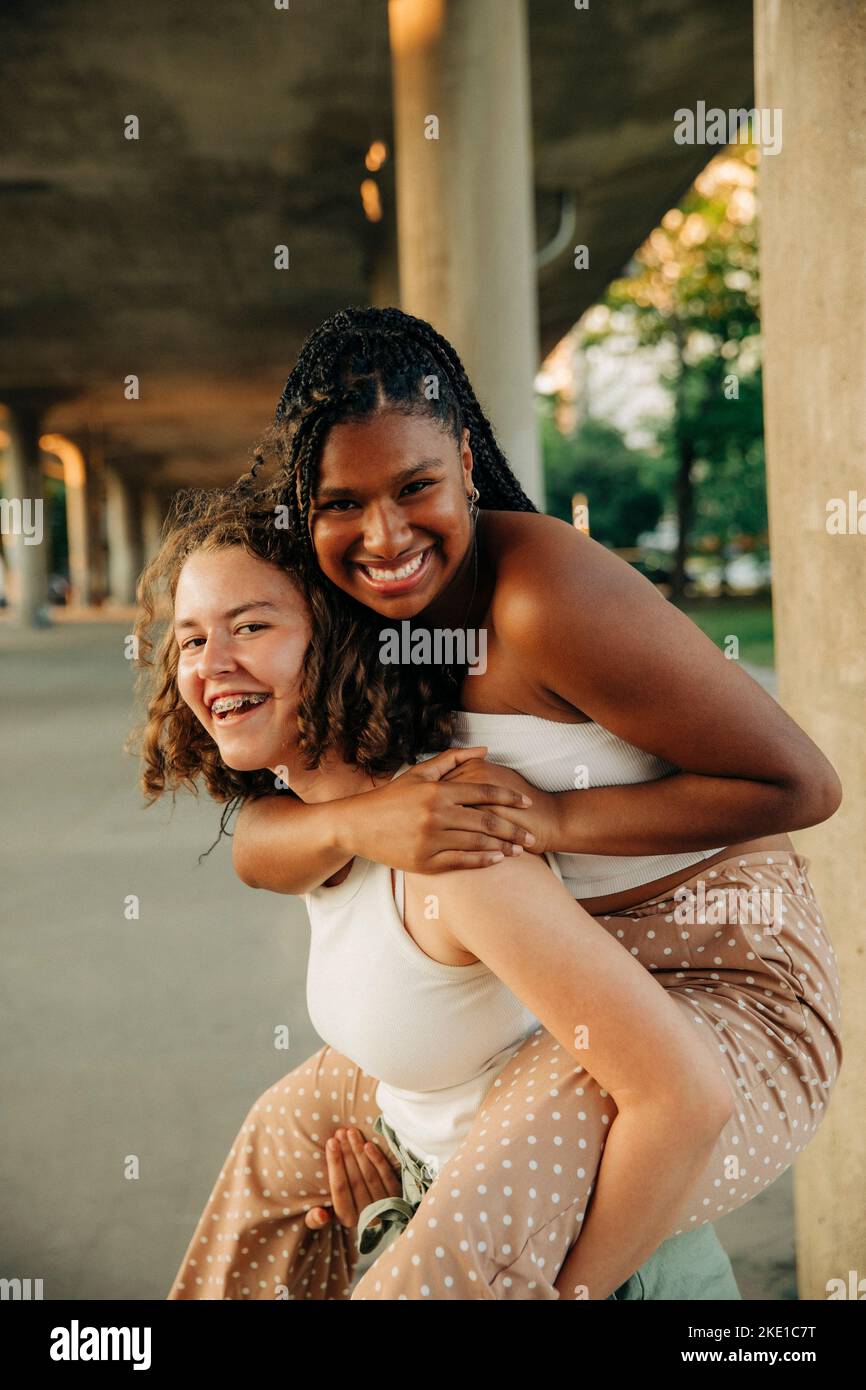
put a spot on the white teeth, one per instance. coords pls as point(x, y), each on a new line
point(230, 702)
point(403, 573)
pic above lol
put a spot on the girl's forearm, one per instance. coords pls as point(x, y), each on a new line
point(685, 811)
point(289, 846)
point(651, 1162)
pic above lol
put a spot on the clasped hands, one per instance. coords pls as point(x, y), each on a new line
point(454, 810)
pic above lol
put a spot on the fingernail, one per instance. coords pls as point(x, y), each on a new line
point(495, 857)
point(517, 849)
point(530, 839)
point(526, 800)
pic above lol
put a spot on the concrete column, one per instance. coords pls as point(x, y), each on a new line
point(811, 64)
point(25, 518)
point(465, 210)
point(96, 507)
point(382, 238)
point(78, 529)
point(152, 517)
point(123, 526)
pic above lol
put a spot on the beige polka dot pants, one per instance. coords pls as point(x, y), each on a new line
point(505, 1209)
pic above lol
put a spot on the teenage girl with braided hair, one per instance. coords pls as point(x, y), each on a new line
point(654, 765)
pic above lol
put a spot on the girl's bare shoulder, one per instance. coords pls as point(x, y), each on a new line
point(535, 555)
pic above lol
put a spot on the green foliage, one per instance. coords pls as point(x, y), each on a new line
point(750, 620)
point(695, 287)
point(623, 487)
point(727, 445)
point(697, 273)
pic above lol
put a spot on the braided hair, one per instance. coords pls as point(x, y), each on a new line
point(362, 360)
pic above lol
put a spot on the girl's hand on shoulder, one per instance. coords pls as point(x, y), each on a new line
point(426, 823)
point(539, 821)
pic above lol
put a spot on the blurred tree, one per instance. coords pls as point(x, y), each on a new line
point(623, 490)
point(695, 287)
point(727, 478)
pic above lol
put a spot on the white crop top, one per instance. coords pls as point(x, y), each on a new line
point(436, 1036)
point(562, 757)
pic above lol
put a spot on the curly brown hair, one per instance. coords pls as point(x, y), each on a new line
point(349, 700)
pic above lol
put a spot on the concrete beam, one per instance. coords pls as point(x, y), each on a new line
point(201, 199)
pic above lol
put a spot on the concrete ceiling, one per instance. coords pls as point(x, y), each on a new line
point(156, 256)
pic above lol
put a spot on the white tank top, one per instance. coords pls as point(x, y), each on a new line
point(562, 757)
point(436, 1036)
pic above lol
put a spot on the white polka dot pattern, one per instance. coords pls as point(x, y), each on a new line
point(504, 1211)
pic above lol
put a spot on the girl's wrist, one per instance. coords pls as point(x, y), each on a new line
point(347, 822)
point(566, 821)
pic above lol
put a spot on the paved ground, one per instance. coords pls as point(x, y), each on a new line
point(149, 1038)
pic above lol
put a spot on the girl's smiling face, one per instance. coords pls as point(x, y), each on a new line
point(242, 629)
point(389, 519)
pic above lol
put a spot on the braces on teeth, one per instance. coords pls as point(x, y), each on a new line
point(230, 702)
